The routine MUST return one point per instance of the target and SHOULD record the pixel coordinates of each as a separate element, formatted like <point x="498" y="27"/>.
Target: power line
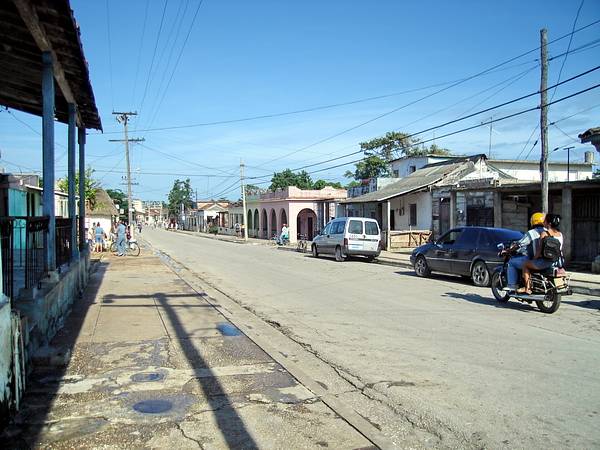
<point x="112" y="99"/>
<point x="139" y="58"/>
<point x="162" y="19"/>
<point x="568" y="47"/>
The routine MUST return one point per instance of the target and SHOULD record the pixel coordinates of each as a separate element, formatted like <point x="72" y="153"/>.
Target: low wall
<point x="48" y="308"/>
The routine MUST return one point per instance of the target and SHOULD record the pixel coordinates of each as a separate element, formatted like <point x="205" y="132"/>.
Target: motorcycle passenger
<point x="539" y="262"/>
<point x="526" y="249"/>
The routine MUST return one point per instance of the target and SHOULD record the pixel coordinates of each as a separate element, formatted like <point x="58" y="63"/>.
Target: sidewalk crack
<point x="178" y="425"/>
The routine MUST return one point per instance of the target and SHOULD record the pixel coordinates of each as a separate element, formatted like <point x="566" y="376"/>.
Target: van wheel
<point x="339" y="256"/>
<point x="315" y="252"/>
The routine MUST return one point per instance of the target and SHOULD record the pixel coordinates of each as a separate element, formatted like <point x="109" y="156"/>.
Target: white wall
<point x="401" y="210"/>
<point x="403" y="165"/>
<point x="531" y="172"/>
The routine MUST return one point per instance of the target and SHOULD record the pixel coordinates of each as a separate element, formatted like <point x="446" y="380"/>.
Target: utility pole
<point x="490" y="145"/>
<point x="245" y="218"/>
<point x="544" y="118"/>
<point x="123" y="117"/>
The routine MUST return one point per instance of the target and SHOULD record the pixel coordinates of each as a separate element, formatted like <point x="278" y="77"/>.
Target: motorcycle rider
<point x="525" y="249"/>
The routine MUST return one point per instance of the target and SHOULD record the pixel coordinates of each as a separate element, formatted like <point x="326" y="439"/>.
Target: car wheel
<point x="421" y="267"/>
<point x="315" y="252"/>
<point x="339" y="256"/>
<point x="480" y="274"/>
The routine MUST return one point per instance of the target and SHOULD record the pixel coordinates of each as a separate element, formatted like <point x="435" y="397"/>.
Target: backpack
<point x="551" y="249"/>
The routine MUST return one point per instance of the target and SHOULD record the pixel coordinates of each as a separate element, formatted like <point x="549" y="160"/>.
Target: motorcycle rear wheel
<point x="550" y="304"/>
<point x="499" y="294"/>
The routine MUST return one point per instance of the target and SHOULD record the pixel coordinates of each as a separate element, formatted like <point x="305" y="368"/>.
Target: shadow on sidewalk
<point x="230" y="424"/>
<point x="27" y="425"/>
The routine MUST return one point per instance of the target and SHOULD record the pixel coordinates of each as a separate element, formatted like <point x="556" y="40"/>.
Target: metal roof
<point x="28" y="28"/>
<point x="416" y="181"/>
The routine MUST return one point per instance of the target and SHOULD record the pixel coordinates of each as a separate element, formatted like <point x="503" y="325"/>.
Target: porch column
<point x="452" y="209"/>
<point x="81" y="142"/>
<point x="498" y="209"/>
<point x="567" y="221"/>
<point x="71" y="179"/>
<point x="388" y="239"/>
<point x="48" y="157"/>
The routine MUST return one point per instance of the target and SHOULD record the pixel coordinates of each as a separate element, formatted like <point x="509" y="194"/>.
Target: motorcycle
<point x="547" y="286"/>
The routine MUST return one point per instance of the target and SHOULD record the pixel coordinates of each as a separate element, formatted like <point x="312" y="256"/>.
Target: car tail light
<point x="345" y="242"/>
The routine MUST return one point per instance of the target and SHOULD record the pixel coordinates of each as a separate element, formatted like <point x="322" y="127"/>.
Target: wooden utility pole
<point x="544" y="118"/>
<point x="245" y="215"/>
<point x="123" y="117"/>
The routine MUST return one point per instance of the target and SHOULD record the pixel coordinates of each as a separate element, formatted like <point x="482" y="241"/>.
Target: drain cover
<point x="227" y="329"/>
<point x="153" y="406"/>
<point x="144" y="377"/>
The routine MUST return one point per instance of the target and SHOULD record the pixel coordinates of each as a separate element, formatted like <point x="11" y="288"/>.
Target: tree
<point x="90" y="184"/>
<point x="181" y="194"/>
<point x="320" y="184"/>
<point x="395" y="144"/>
<point x="120" y="199"/>
<point x="252" y="189"/>
<point x="286" y="178"/>
<point x="371" y="167"/>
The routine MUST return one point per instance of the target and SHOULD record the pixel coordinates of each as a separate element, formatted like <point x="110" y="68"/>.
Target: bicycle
<point x="302" y="243"/>
<point x="132" y="248"/>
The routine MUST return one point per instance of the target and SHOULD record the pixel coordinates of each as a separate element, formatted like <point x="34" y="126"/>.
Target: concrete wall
<point x="401" y="211"/>
<point x="48" y="307"/>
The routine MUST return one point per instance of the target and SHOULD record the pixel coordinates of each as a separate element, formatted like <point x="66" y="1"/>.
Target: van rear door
<point x="372" y="236"/>
<point x="355" y="234"/>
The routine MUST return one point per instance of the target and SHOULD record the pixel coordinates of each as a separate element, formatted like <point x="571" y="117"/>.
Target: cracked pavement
<point x="154" y="364"/>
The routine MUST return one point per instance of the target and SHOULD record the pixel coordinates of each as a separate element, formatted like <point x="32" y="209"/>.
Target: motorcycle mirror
<point x="500" y="247"/>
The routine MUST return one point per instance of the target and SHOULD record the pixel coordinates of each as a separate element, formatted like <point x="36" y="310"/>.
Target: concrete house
<point x="103" y="211"/>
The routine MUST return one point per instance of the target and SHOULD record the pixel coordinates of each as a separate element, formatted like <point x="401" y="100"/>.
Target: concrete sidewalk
<point x="581" y="283"/>
<point x="145" y="361"/>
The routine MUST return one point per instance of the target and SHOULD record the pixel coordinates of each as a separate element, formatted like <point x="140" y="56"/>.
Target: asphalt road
<point x="438" y="354"/>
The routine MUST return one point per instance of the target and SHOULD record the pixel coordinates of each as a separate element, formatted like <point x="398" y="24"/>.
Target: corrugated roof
<point x="417" y="180"/>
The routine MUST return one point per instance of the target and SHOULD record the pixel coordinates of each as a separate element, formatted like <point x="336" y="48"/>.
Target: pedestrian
<point x="91" y="233"/>
<point x="121" y="232"/>
<point x="139" y="227"/>
<point x="237" y="229"/>
<point x="99" y="235"/>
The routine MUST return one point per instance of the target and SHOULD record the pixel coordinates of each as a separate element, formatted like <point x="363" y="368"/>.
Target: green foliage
<point x="213" y="229"/>
<point x="371" y="167"/>
<point x="353" y="183"/>
<point x="302" y="180"/>
<point x="596" y="174"/>
<point x="251" y="189"/>
<point x="120" y="199"/>
<point x="395" y="144"/>
<point x="181" y="194"/>
<point x="90" y="185"/>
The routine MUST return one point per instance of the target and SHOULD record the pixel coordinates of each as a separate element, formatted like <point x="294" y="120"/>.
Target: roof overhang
<point x="27" y="29"/>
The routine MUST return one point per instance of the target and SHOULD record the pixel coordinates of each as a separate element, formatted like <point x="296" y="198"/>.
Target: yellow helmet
<point x="537" y="219"/>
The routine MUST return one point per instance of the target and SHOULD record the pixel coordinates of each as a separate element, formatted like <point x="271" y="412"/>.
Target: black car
<point x="466" y="251"/>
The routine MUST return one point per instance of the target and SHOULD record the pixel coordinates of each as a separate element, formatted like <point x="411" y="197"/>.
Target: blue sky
<point x="245" y="59"/>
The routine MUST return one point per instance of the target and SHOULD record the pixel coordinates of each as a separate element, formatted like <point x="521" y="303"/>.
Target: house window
<point x="412" y="169"/>
<point x="396" y="173"/>
<point x="413" y="215"/>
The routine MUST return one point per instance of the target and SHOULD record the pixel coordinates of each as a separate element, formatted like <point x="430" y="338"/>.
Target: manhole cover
<point x="153" y="406"/>
<point x="144" y="377"/>
<point x="227" y="329"/>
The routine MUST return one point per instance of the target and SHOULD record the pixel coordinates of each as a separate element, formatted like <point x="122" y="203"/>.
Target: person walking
<point x="121" y="231"/>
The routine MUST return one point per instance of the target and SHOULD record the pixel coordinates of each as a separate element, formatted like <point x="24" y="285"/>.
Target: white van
<point x="348" y="236"/>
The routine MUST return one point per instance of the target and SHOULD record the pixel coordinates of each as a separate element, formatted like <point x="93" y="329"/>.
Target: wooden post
<point x="544" y="119"/>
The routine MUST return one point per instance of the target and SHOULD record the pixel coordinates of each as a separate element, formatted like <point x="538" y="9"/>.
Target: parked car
<point x="348" y="236"/>
<point x="467" y="251"/>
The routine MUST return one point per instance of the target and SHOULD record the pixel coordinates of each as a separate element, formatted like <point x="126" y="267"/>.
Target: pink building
<point x="304" y="211"/>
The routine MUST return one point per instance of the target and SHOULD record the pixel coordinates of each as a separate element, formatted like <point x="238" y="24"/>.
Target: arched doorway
<point x="256" y="224"/>
<point x="306" y="223"/>
<point x="274" y="228"/>
<point x="283" y="217"/>
<point x="249" y="223"/>
<point x="265" y="233"/>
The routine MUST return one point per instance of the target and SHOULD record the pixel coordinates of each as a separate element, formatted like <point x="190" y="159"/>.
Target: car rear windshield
<point x="371" y="228"/>
<point x="355" y="227"/>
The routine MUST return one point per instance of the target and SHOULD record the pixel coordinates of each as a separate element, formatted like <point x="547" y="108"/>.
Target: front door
<point x="444" y="215"/>
<point x="310" y="231"/>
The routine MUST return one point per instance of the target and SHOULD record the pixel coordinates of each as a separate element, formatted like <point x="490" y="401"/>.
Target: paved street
<point x="434" y="361"/>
